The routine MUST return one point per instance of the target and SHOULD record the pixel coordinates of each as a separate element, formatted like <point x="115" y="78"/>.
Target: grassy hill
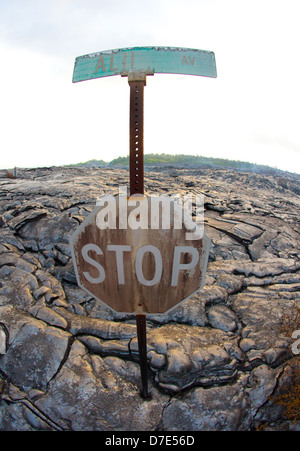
<point x="180" y="160"/>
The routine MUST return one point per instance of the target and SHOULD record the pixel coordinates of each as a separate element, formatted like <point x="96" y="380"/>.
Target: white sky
<point x="250" y="112"/>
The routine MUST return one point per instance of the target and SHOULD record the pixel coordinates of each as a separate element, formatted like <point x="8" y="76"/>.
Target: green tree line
<point x="179" y="160"/>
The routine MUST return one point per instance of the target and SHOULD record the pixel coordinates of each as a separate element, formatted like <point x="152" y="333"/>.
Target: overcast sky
<point x="250" y="112"/>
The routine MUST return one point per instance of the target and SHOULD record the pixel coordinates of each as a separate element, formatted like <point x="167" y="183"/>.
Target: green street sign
<point x="151" y="60"/>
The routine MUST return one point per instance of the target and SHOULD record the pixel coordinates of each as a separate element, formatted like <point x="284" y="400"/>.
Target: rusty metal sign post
<point x="136" y="63"/>
<point x="137" y="81"/>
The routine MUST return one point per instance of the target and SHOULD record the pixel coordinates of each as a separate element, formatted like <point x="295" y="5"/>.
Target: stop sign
<point x="139" y="259"/>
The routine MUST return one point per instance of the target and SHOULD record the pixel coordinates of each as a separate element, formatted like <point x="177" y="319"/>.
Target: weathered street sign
<point x="151" y="60"/>
<point x="138" y="270"/>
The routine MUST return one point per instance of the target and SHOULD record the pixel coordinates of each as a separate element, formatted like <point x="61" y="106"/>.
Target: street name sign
<point x="136" y="269"/>
<point x="150" y="60"/>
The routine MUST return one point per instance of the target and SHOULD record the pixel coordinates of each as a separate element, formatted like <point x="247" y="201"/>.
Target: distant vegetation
<point x="194" y="161"/>
<point x="180" y="160"/>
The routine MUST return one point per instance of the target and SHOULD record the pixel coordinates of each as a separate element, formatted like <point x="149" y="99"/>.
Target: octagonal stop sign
<point x="137" y="259"/>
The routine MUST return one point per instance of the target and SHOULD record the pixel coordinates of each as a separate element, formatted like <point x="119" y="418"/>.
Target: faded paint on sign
<point x="138" y="270"/>
<point x="171" y="60"/>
